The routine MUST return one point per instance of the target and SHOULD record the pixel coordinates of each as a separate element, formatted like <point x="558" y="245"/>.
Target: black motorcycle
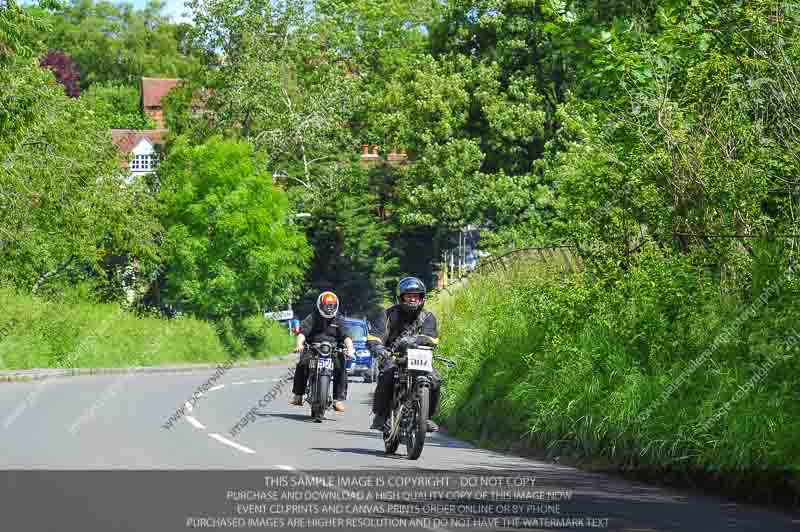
<point x="320" y="376"/>
<point x="408" y="421"/>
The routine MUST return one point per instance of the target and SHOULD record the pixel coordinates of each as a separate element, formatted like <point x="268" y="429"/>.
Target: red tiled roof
<point x="127" y="139"/>
<point x="154" y="89"/>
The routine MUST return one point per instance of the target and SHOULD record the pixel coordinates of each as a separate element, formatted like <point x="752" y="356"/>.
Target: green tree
<point x="21" y="31"/>
<point x="117" y="105"/>
<point x="696" y="142"/>
<point x="64" y="203"/>
<point x="283" y="89"/>
<point x="230" y="249"/>
<point x="352" y="254"/>
<point x="118" y="43"/>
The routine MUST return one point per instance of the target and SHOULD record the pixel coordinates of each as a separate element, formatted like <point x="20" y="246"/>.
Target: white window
<point x="144" y="163"/>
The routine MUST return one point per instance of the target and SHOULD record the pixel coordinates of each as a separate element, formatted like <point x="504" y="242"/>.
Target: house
<point x="141" y="148"/>
<point x="152" y="92"/>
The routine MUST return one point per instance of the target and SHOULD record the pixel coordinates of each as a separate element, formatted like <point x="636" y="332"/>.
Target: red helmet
<point x="328" y="304"/>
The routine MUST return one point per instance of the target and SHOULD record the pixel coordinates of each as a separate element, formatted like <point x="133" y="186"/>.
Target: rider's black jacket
<point x="317" y="328"/>
<point x="390" y="326"/>
<point x="394" y="323"/>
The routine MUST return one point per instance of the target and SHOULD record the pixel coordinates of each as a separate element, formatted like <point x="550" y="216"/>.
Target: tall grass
<point x="38" y="333"/>
<point x="559" y="362"/>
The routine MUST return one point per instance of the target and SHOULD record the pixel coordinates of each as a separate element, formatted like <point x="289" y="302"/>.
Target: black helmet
<point x="328" y="304"/>
<point x="411" y="285"/>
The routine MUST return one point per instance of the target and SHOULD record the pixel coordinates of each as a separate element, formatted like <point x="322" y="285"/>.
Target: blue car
<point x="362" y="364"/>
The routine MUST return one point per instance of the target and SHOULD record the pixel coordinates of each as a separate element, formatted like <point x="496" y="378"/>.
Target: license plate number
<point x="325" y="363"/>
<point x="420" y="360"/>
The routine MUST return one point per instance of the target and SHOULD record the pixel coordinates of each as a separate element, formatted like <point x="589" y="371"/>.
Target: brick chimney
<point x="368" y="157"/>
<point x="397" y="157"/>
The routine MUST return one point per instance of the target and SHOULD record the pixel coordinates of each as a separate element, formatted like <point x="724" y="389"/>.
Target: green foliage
<point x="75" y="333"/>
<point x="117" y="105"/>
<point x="66" y="204"/>
<point x="117" y="43"/>
<point x="282" y="88"/>
<point x="229" y="247"/>
<point x="265" y="338"/>
<point x="443" y="187"/>
<point x="180" y="108"/>
<point x="20" y="31"/>
<point x="695" y="141"/>
<point x="351" y="250"/>
<point x="573" y="364"/>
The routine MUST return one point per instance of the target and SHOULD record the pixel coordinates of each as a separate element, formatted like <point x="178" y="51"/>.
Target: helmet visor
<point x="328" y="304"/>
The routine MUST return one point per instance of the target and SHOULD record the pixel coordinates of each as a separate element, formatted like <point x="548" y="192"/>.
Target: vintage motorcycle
<point x="411" y="400"/>
<point x="320" y="376"/>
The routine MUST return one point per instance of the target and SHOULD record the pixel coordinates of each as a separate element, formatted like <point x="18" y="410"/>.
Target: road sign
<point x="281" y="315"/>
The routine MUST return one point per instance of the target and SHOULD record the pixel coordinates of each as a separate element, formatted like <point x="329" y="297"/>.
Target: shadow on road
<point x="430" y="440"/>
<point x="294" y="417"/>
<point x="353" y="450"/>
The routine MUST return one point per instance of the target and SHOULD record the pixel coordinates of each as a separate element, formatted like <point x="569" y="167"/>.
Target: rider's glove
<point x="379" y="351"/>
<point x="407" y="341"/>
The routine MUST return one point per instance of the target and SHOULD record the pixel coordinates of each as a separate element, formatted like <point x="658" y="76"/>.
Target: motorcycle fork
<point x="403" y="400"/>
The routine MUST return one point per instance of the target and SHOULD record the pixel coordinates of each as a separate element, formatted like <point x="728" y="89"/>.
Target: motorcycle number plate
<point x="420" y="360"/>
<point x="325" y="363"/>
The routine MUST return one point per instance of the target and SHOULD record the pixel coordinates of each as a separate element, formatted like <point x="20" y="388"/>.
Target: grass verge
<point x="37" y="333"/>
<point x="658" y="374"/>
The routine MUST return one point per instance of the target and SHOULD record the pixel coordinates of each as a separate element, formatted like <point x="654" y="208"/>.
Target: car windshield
<point x="356" y="331"/>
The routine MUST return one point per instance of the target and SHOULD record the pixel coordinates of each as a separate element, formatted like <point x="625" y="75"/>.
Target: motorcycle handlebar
<point x="335" y="350"/>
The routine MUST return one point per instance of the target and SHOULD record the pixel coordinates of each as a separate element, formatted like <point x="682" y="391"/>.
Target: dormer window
<point x="144" y="163"/>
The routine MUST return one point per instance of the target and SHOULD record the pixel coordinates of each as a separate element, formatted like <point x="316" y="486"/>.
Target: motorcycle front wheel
<point x="418" y="428"/>
<point x="320" y="398"/>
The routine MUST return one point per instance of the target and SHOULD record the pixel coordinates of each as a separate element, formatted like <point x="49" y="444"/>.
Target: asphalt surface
<point x="117" y="423"/>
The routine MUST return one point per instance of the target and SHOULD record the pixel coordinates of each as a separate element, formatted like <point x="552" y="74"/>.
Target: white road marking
<point x="196" y="424"/>
<point x="258" y="380"/>
<point x="237" y="383"/>
<point x="188" y="406"/>
<point x="286" y="467"/>
<point x="232" y="444"/>
<point x="218" y="387"/>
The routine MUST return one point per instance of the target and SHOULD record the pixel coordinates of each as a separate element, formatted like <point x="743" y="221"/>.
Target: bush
<point x="644" y="370"/>
<point x="78" y="334"/>
<point x="265" y="338"/>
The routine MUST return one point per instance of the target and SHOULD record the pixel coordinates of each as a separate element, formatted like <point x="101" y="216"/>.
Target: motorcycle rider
<point x="323" y="325"/>
<point x="405" y="324"/>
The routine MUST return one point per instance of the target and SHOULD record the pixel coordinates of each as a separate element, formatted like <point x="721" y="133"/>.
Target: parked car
<point x="362" y="364"/>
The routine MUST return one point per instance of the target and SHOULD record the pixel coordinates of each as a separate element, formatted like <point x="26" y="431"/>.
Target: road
<point x="116" y="423"/>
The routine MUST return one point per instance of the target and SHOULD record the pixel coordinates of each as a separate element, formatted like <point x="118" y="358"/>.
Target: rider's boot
<point x="378" y="422"/>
